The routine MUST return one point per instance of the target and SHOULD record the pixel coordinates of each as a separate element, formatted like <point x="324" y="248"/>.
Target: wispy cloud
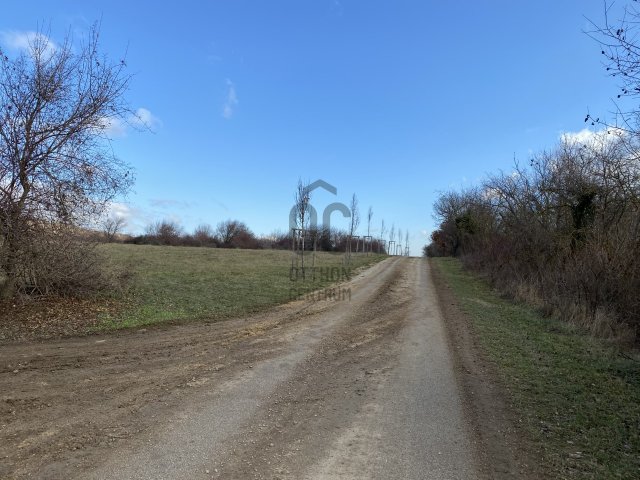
<point x="221" y="205"/>
<point x="337" y="7"/>
<point x="26" y="41"/>
<point x="142" y="118"/>
<point x="231" y="100"/>
<point x="166" y="203"/>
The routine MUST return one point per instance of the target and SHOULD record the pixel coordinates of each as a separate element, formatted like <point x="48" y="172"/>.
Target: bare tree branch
<point x="56" y="105"/>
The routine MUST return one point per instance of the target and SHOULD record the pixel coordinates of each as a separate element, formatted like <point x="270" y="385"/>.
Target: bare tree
<point x="368" y="239"/>
<point x="56" y="105"/>
<point x="406" y="243"/>
<point x="111" y="227"/>
<point x="392" y="233"/>
<point x="355" y="216"/>
<point x="562" y="233"/>
<point x="235" y="234"/>
<point x="302" y="205"/>
<point x="353" y="223"/>
<point x="165" y="232"/>
<point x="448" y="205"/>
<point x="204" y="236"/>
<point x="382" y="230"/>
<point x="620" y="47"/>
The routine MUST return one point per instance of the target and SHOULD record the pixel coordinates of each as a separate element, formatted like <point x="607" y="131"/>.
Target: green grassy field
<point x="578" y="397"/>
<point x="183" y="283"/>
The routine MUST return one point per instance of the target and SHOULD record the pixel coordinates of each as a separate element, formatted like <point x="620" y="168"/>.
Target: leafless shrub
<point x="111" y="227"/>
<point x="56" y="169"/>
<point x="235" y="234"/>
<point x="204" y="236"/>
<point x="562" y="234"/>
<point x="164" y="232"/>
<point x="57" y="260"/>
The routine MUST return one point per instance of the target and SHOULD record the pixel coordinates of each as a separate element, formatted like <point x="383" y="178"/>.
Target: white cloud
<point x="141" y="119"/>
<point x="144" y="118"/>
<point x="590" y="137"/>
<point x="26" y="41"/>
<point x="136" y="219"/>
<point x="231" y="100"/>
<point x="490" y="193"/>
<point x="120" y="210"/>
<point x="114" y="210"/>
<point x="113" y="127"/>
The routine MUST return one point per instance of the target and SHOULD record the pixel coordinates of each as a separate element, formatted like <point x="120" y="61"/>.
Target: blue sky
<point x="392" y="100"/>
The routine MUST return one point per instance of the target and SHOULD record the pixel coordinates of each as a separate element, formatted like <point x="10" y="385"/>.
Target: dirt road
<point x="356" y="388"/>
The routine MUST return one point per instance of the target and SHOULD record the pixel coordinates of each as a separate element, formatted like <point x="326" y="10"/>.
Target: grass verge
<point x="577" y="397"/>
<point x="186" y="283"/>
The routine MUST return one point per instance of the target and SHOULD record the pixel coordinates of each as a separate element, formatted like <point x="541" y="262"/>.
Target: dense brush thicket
<point x="59" y="260"/>
<point x="561" y="233"/>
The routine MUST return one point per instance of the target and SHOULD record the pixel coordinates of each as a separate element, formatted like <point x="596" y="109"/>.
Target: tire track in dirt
<point x="323" y="394"/>
<point x="349" y="389"/>
<point x="67" y="404"/>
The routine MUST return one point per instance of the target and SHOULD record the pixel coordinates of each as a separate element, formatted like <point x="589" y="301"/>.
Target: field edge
<point x="572" y="401"/>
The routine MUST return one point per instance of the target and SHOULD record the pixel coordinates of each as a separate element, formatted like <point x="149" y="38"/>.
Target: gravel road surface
<point x="360" y="387"/>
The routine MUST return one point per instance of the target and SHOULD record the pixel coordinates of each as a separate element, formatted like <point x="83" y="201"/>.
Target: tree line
<point x="563" y="231"/>
<point x="232" y="234"/>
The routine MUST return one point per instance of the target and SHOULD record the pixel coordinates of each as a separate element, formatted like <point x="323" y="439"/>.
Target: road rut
<point x="363" y="387"/>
